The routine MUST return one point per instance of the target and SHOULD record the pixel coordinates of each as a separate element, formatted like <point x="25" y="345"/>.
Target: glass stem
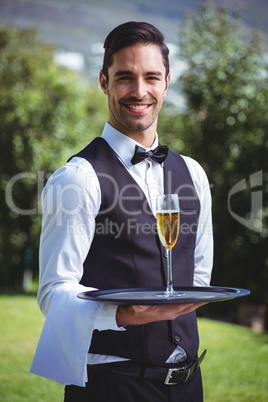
<point x="169" y="289"/>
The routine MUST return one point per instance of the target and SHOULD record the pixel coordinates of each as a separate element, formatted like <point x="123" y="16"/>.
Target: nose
<point x="139" y="88"/>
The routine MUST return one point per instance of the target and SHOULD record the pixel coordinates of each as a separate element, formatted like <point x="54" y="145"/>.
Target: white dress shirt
<point x="71" y="200"/>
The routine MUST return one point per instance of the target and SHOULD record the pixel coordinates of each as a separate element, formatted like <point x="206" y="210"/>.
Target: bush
<point x="46" y="114"/>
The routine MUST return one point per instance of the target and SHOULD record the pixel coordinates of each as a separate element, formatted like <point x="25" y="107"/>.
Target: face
<point x="136" y="89"/>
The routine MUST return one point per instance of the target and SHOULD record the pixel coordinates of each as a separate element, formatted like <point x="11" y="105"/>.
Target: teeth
<point x="136" y="107"/>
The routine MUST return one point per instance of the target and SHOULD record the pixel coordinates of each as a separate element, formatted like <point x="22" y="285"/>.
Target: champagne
<point x="168" y="224"/>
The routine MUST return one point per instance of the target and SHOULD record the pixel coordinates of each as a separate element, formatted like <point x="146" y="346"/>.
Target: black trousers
<point x="111" y="387"/>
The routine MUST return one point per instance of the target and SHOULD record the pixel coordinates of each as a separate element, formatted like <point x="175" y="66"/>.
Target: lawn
<point x="235" y="368"/>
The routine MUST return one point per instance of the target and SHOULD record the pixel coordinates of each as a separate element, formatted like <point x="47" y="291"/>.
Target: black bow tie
<point x="158" y="155"/>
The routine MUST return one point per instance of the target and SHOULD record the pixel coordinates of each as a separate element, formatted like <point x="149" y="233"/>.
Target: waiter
<point x="98" y="232"/>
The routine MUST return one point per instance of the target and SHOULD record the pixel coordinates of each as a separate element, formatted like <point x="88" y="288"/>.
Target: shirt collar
<point x="123" y="145"/>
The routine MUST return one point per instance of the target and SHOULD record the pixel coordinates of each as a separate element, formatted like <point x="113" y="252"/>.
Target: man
<point x="99" y="232"/>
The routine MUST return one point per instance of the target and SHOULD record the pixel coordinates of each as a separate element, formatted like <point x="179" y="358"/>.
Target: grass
<point x="236" y="366"/>
<point x="234" y="370"/>
<point x="21" y="324"/>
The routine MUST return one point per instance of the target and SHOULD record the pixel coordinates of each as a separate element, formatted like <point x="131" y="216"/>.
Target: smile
<point x="137" y="108"/>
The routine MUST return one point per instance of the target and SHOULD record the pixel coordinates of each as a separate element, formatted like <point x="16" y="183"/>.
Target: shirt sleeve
<point x="71" y="201"/>
<point x="203" y="257"/>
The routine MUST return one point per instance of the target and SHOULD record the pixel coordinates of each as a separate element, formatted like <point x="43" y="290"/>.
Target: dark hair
<point x="129" y="34"/>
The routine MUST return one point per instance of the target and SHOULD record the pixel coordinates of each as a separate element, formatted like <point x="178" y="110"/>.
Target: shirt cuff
<point x="106" y="318"/>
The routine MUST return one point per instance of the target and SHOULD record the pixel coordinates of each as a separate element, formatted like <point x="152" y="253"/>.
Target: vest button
<point x="177" y="338"/>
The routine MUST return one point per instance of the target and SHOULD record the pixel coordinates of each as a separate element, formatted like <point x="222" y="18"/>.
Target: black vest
<point x="126" y="252"/>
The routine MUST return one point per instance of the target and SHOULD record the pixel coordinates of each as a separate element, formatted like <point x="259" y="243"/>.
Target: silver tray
<point x="150" y="295"/>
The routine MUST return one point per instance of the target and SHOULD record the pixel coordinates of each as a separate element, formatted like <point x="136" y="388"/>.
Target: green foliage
<point x="225" y="128"/>
<point x="46" y="114"/>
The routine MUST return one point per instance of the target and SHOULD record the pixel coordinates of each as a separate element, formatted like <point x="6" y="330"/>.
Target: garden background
<point x="216" y="112"/>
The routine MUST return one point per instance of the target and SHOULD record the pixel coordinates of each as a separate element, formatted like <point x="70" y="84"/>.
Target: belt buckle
<point x="170" y="373"/>
<point x="189" y="370"/>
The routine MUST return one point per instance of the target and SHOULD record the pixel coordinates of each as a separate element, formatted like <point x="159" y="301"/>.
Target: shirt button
<point x="177" y="338"/>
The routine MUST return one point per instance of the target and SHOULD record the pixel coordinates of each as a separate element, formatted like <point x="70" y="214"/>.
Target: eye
<point x="153" y="78"/>
<point x="124" y="78"/>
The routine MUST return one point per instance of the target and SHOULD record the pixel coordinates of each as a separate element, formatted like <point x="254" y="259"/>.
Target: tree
<point x="225" y="129"/>
<point x="46" y="114"/>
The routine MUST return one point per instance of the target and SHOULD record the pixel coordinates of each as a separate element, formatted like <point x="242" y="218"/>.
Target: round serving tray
<point x="150" y="295"/>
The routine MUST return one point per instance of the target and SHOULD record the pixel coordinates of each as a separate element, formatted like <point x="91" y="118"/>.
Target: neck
<point x="145" y="138"/>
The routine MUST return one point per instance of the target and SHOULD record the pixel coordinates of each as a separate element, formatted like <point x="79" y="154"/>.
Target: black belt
<point x="169" y="376"/>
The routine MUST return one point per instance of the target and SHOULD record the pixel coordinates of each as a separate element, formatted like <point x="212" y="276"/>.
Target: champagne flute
<point x="168" y="224"/>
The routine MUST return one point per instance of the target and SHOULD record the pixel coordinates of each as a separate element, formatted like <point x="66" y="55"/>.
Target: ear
<point x="103" y="83"/>
<point x="167" y="83"/>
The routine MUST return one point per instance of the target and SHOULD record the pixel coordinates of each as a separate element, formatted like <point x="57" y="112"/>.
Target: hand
<point x="138" y="315"/>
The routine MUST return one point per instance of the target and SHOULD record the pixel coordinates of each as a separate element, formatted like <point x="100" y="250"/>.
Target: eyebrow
<point x="119" y="73"/>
